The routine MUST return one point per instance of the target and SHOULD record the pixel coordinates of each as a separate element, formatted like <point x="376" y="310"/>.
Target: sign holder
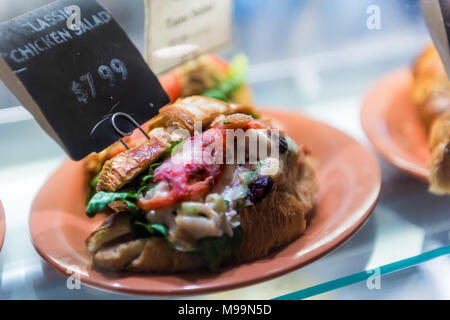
<point x="125" y="134"/>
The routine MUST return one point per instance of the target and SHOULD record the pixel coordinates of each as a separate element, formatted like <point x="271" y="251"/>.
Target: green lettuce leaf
<point x="151" y="171"/>
<point x="234" y="80"/>
<point x="92" y="187"/>
<point x="216" y="250"/>
<point x="101" y="199"/>
<point x="153" y="228"/>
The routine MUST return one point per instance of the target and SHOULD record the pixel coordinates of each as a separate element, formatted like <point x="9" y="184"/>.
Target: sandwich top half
<point x="431" y="95"/>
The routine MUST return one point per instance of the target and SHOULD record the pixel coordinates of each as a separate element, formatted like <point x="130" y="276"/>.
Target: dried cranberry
<point x="259" y="188"/>
<point x="283" y="145"/>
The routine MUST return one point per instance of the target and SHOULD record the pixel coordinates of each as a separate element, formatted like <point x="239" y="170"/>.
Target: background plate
<point x="391" y="122"/>
<point x="349" y="180"/>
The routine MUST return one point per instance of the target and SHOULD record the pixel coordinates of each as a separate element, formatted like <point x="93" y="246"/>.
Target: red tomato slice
<point x="171" y="83"/>
<point x="257" y="125"/>
<point x="220" y="63"/>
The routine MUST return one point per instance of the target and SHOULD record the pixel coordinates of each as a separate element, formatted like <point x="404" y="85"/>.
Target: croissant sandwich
<point x="431" y="94"/>
<point x="207" y="75"/>
<point x="214" y="185"/>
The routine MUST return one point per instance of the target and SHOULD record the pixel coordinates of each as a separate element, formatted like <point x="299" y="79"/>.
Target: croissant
<point x="440" y="155"/>
<point x="431" y="95"/>
<point x="192" y="214"/>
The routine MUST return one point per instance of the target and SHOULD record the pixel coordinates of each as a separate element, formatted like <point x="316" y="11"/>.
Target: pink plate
<point x="391" y="122"/>
<point x="349" y="180"/>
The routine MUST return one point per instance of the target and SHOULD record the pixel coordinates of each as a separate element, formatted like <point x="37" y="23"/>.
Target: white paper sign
<point x="178" y="30"/>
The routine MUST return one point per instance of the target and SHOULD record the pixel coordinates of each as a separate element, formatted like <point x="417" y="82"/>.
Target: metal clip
<point x="125" y="134"/>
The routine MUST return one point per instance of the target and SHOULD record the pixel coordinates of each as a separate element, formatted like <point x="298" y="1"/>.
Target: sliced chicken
<point x="184" y="112"/>
<point x="124" y="167"/>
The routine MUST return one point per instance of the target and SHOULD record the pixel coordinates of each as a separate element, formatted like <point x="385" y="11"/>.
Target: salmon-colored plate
<point x="349" y="179"/>
<point x="2" y="225"/>
<point x="391" y="122"/>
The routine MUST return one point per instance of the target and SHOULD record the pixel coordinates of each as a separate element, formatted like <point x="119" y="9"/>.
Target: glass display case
<point x="314" y="57"/>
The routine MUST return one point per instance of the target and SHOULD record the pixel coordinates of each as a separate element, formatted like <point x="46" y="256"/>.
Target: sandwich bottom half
<point x="274" y="221"/>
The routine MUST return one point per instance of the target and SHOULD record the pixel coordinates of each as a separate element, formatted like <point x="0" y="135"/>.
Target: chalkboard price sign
<point x="73" y="79"/>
